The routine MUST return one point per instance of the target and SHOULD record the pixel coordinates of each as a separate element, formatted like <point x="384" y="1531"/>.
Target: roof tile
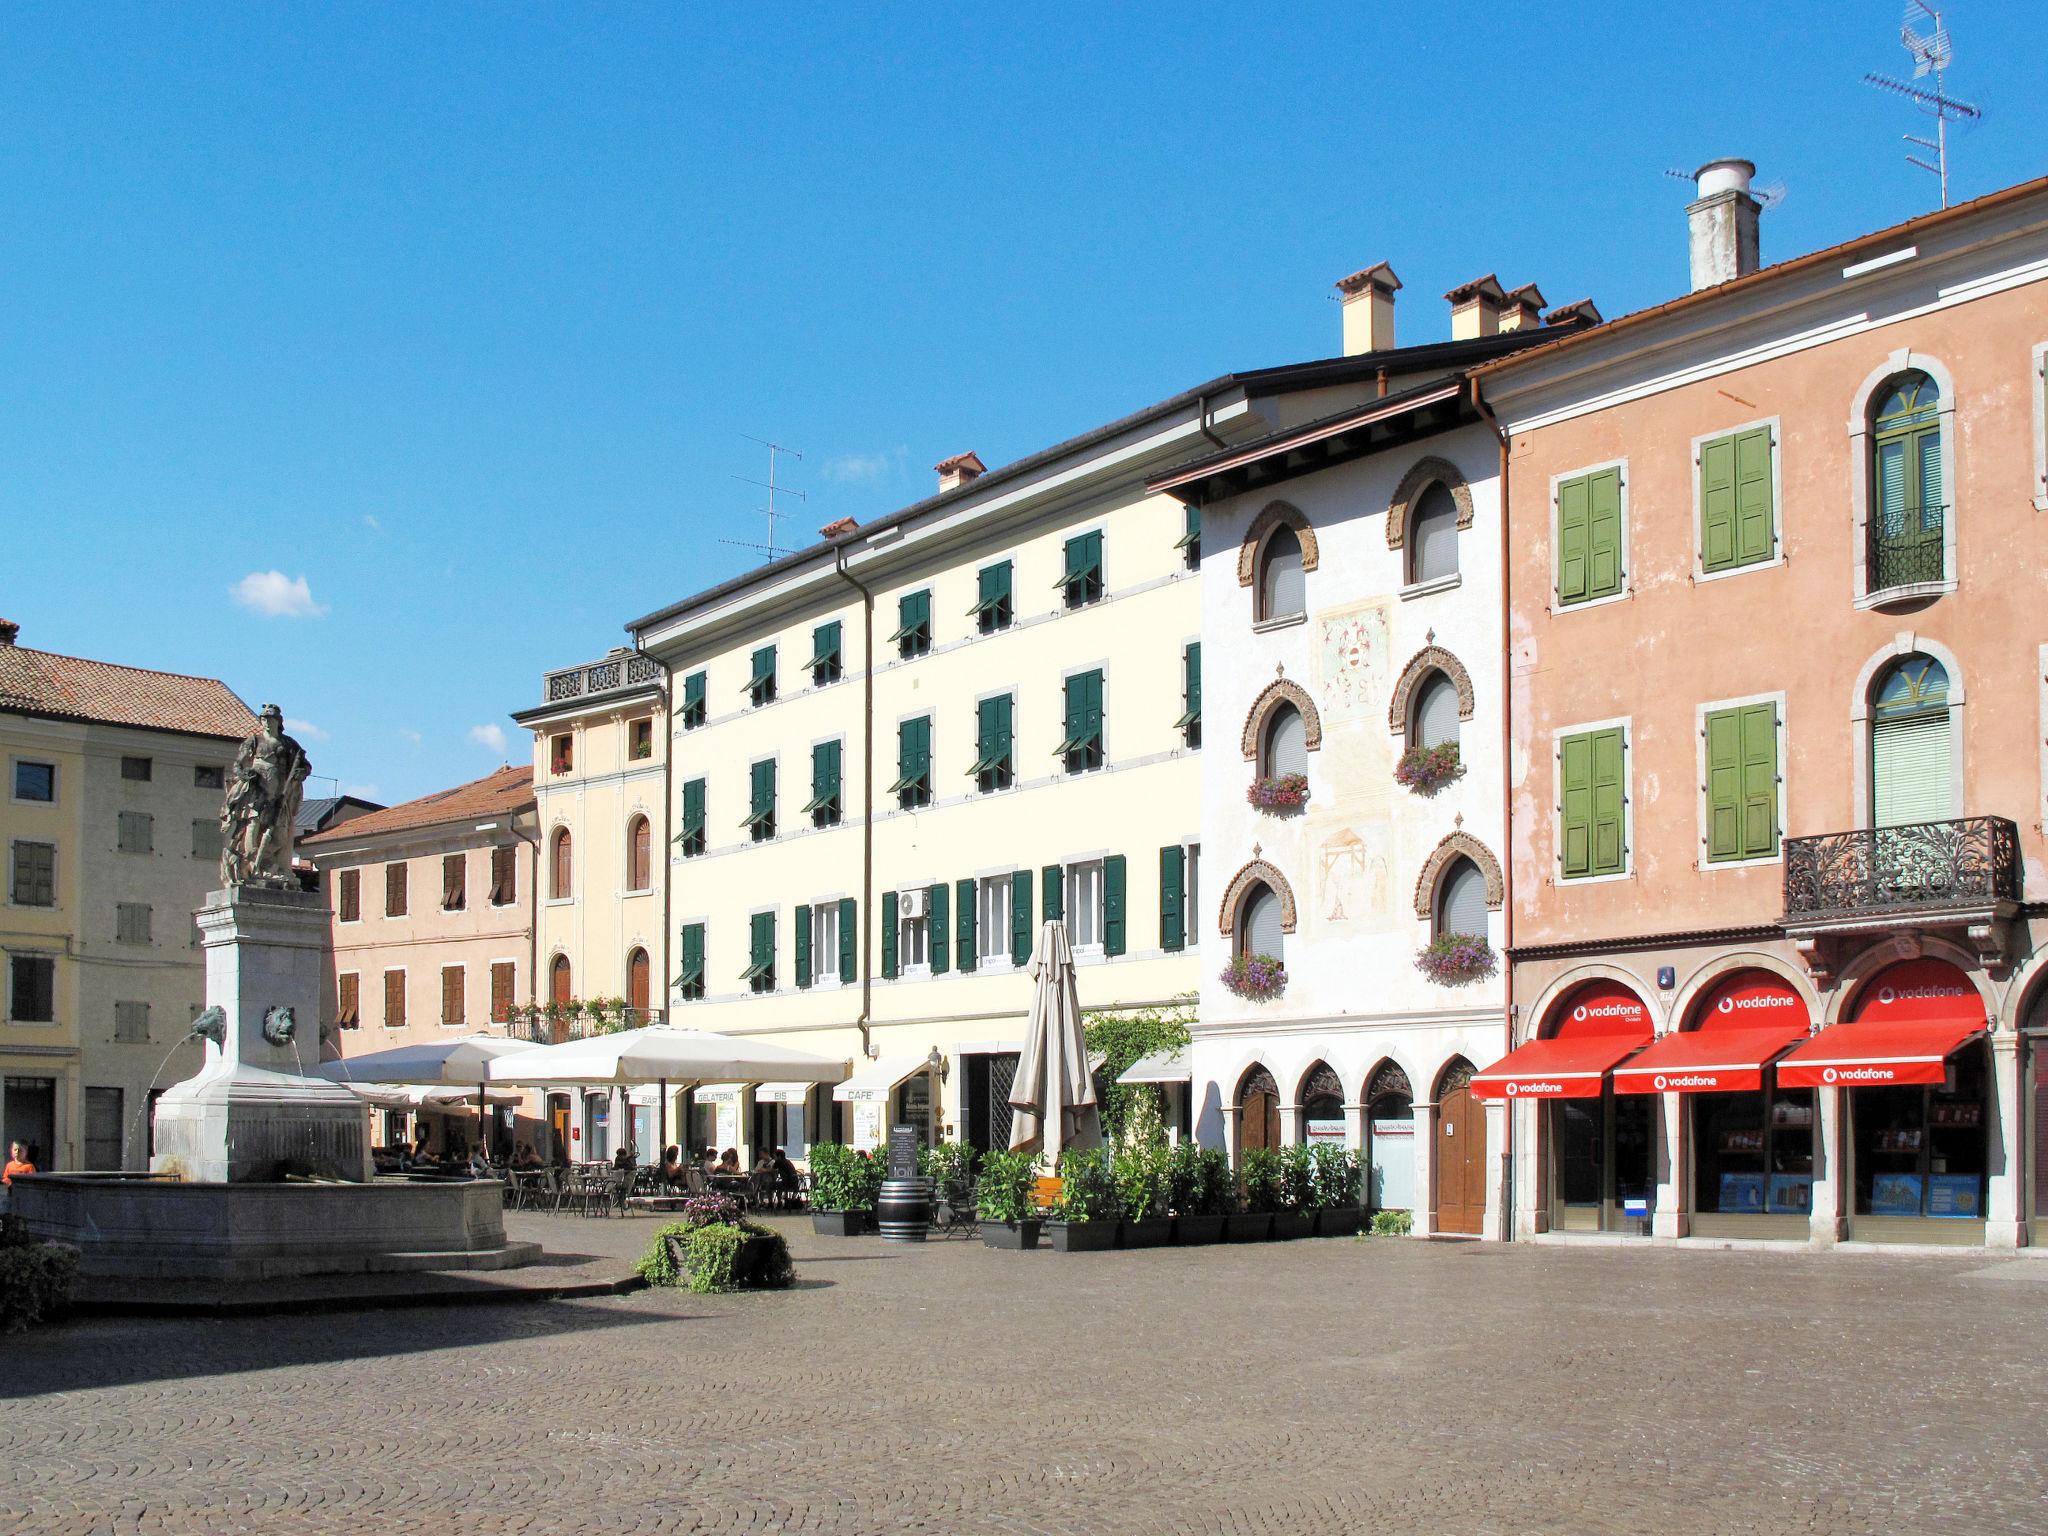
<point x="72" y="688"/>
<point x="498" y="794"/>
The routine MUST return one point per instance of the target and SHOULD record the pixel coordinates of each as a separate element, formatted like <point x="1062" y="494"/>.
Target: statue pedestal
<point x="251" y="1115"/>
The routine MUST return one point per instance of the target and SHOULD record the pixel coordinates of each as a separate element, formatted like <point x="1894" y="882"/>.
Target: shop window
<point x="1924" y="1151"/>
<point x="1912" y="769"/>
<point x="1908" y="488"/>
<point x="1390" y="1140"/>
<point x="1282" y="588"/>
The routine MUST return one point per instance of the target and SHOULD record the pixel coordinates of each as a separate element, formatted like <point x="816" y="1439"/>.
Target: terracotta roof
<point x="72" y="688"/>
<point x="503" y="793"/>
<point x="1488" y="285"/>
<point x="970" y="461"/>
<point x="1378" y="275"/>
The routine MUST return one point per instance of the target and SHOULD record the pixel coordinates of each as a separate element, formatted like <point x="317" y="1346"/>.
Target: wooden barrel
<point x="903" y="1210"/>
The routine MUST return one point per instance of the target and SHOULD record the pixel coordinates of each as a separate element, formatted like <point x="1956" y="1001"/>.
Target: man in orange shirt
<point x="17" y="1162"/>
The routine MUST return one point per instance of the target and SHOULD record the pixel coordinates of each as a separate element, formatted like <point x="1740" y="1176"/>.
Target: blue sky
<point x="460" y="315"/>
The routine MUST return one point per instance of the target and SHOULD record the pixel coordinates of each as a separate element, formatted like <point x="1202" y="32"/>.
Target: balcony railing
<point x="577" y="1024"/>
<point x="619" y="670"/>
<point x="1971" y="863"/>
<point x="1906" y="549"/>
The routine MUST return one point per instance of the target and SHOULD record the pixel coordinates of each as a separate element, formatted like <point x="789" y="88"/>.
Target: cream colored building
<point x="109" y="820"/>
<point x="600" y="773"/>
<point x="898" y="751"/>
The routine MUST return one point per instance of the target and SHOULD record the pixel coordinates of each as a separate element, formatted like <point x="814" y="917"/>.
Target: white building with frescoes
<point x="1351" y="614"/>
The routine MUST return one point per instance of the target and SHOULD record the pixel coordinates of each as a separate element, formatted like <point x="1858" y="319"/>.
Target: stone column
<point x="1354" y="1127"/>
<point x="1425" y="1166"/>
<point x="1828" y="1223"/>
<point x="1499" y="1170"/>
<point x="1672" y="1217"/>
<point x="2005" y="1221"/>
<point x="1532" y="1215"/>
<point x="1290" y="1125"/>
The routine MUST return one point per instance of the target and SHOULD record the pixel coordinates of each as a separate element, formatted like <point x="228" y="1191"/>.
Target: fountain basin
<point x="143" y="1226"/>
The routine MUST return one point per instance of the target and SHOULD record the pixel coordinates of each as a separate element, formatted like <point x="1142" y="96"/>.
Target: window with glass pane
<point x="136" y="768"/>
<point x="694" y="711"/>
<point x="761" y="677"/>
<point x="913" y="938"/>
<point x="1283" y="592"/>
<point x="209" y="776"/>
<point x="32" y="989"/>
<point x="1461" y="900"/>
<point x="827" y="662"/>
<point x="1433" y="536"/>
<point x="992" y="898"/>
<point x="1436" y="713"/>
<point x="1286" y="743"/>
<point x="35" y="781"/>
<point x="1259" y="930"/>
<point x="1190" y="541"/>
<point x="1908" y="492"/>
<point x="825" y="941"/>
<point x="1084" y="904"/>
<point x="1912" y="765"/>
<point x="913" y="635"/>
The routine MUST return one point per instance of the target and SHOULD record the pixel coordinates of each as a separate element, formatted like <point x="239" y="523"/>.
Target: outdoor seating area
<point x="605" y="1189"/>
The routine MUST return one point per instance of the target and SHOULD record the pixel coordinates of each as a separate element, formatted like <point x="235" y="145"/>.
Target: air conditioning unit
<point x="912" y="904"/>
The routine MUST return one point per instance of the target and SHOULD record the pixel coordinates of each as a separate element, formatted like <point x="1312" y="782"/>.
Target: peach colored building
<point x="432" y="916"/>
<point x="1777" y="627"/>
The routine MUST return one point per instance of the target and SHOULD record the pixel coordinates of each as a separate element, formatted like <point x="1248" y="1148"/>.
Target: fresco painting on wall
<point x="1351" y="661"/>
<point x="1352" y="875"/>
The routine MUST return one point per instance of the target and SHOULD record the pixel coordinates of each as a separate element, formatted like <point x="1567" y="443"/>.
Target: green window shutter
<point x="1718" y="541"/>
<point x="963" y="919"/>
<point x="803" y="946"/>
<point x="1610" y="799"/>
<point x="693" y="700"/>
<point x="1173" y="868"/>
<point x="761" y="949"/>
<point x="985" y="752"/>
<point x="1724" y="785"/>
<point x="1020" y="917"/>
<point x="1575" y="830"/>
<point x="1194" y="690"/>
<point x="1759" y="781"/>
<point x="993" y="606"/>
<point x="1593" y="774"/>
<point x="1603" y="534"/>
<point x="761" y="677"/>
<point x="1571" y="542"/>
<point x="1052" y="893"/>
<point x="1077" y="712"/>
<point x="888" y="935"/>
<point x="690" y="979"/>
<point x="1755" y="514"/>
<point x="692" y="834"/>
<point x="849" y="939"/>
<point x="1113" y="904"/>
<point x="831" y="766"/>
<point x="936" y="926"/>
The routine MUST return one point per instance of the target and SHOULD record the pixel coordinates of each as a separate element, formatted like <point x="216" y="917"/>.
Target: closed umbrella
<point x="1052" y="1100"/>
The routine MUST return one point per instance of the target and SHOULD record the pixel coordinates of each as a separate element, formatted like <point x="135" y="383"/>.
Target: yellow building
<point x="896" y="752"/>
<point x="109" y="823"/>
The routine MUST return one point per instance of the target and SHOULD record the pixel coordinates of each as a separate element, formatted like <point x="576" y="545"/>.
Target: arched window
<point x="636" y="980"/>
<point x="1284" y="747"/>
<point x="1260" y="929"/>
<point x="1434" y="720"/>
<point x="1390" y="1140"/>
<point x="1912" y="776"/>
<point x="560" y="989"/>
<point x="1908" y="488"/>
<point x="1461" y="900"/>
<point x="639" y="855"/>
<point x="1282" y="594"/>
<point x="561" y="866"/>
<point x="1433" y="535"/>
<point x="1322" y="1105"/>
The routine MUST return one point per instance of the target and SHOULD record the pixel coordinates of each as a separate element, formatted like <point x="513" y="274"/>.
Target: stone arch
<point x="1427" y="472"/>
<point x="1278" y="514"/>
<point x="1453" y="1074"/>
<point x="1319" y="1077"/>
<point x="1256" y="1078"/>
<point x="1431" y="658"/>
<point x="1280" y="690"/>
<point x="1387" y="1076"/>
<point x="1905" y="643"/>
<point x="1696" y="985"/>
<point x="1257" y="872"/>
<point x="1911" y="947"/>
<point x="1544" y="1009"/>
<point x="1456" y="845"/>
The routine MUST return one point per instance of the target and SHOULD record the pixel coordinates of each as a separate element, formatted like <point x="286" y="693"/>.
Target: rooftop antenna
<point x="1771" y="194"/>
<point x="770" y="551"/>
<point x="1932" y="52"/>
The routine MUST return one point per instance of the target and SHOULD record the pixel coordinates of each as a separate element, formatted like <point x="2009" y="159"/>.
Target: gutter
<point x="1507" y="862"/>
<point x="867" y="797"/>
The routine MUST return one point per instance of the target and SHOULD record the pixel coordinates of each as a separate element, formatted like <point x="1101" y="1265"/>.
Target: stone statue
<point x="262" y="808"/>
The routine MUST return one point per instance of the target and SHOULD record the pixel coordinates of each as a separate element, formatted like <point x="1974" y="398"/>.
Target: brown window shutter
<point x="504" y="876"/>
<point x="454" y="881"/>
<point x="394" y="999"/>
<point x="452" y="1010"/>
<point x="351" y="895"/>
<point x="394" y="890"/>
<point x="347" y="1000"/>
<point x="501" y="991"/>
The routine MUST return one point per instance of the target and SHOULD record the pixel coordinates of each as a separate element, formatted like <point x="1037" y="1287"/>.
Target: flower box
<point x="1452" y="959"/>
<point x="1425" y="770"/>
<point x="1289" y="792"/>
<point x="1256" y="977"/>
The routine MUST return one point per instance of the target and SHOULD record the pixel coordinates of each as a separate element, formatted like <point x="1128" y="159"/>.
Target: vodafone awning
<point x="1902" y="1029"/>
<point x="1740" y="1024"/>
<point x="1599" y="1025"/>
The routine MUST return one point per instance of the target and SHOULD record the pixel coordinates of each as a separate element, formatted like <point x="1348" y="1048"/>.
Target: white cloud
<point x="276" y="595"/>
<point x="859" y="468"/>
<point x="492" y="736"/>
<point x="412" y="736"/>
<point x="305" y="728"/>
<point x="370" y="522"/>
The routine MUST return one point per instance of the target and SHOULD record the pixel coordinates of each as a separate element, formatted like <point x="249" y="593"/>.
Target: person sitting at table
<point x="625" y="1157"/>
<point x="528" y="1159"/>
<point x="786" y="1178"/>
<point x="729" y="1161"/>
<point x="672" y="1167"/>
<point x="480" y="1166"/>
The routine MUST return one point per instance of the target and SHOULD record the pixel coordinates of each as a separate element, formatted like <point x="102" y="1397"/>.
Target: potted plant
<point x="1003" y="1200"/>
<point x="1452" y="959"/>
<point x="1340" y="1192"/>
<point x="1187" y="1195"/>
<point x="1426" y="770"/>
<point x="1141" y="1187"/>
<point x="844" y="1185"/>
<point x="714" y="1248"/>
<point x="1296" y="1216"/>
<point x="1288" y="792"/>
<point x="1255" y="977"/>
<point x="1258" y="1178"/>
<point x="1084" y="1217"/>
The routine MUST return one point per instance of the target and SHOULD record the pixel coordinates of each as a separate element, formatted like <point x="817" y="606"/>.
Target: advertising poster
<point x="1792" y="1194"/>
<point x="1742" y="1194"/>
<point x="1895" y="1194"/>
<point x="1954" y="1194"/>
<point x="1326" y="1133"/>
<point x="867" y="1125"/>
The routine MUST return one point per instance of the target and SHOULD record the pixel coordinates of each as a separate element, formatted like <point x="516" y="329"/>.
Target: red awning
<point x="1707" y="1060"/>
<point x="1876" y="1055"/>
<point x="1569" y="1068"/>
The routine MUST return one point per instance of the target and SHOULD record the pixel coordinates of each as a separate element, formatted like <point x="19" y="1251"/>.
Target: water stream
<point x="142" y="1110"/>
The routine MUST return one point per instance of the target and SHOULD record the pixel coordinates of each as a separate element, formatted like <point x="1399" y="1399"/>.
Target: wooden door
<point x="1458" y="1175"/>
<point x="1259" y="1121"/>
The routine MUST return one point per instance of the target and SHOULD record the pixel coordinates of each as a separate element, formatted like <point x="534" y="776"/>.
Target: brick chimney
<point x="958" y="471"/>
<point x="1523" y="309"/>
<point x="1475" y="308"/>
<point x="1722" y="224"/>
<point x="8" y="630"/>
<point x="1578" y="312"/>
<point x="833" y="530"/>
<point x="1367" y="298"/>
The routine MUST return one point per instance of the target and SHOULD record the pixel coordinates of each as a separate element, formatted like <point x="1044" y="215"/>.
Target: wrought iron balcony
<point x="574" y="1022"/>
<point x="1964" y="870"/>
<point x="621" y="669"/>
<point x="1905" y="549"/>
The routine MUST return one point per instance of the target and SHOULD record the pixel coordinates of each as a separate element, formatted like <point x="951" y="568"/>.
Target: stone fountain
<point x="261" y="1170"/>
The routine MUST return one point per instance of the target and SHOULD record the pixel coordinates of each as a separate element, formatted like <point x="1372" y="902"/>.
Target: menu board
<point x="903" y="1152"/>
<point x="867" y="1125"/>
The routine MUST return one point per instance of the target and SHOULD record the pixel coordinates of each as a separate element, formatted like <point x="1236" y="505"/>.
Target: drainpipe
<point x="533" y="915"/>
<point x="1202" y="421"/>
<point x="1507" y="747"/>
<point x="668" y="789"/>
<point x="867" y="796"/>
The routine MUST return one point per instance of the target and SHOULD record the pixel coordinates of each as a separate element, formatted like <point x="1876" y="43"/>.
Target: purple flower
<point x="1255" y="976"/>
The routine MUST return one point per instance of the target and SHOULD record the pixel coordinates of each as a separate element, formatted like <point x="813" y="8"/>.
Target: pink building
<point x="1777" y="635"/>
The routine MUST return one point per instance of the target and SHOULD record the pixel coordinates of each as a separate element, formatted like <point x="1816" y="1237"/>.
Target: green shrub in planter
<point x="843" y="1179"/>
<point x="718" y="1256"/>
<point x="35" y="1282"/>
<point x="1258" y="1181"/>
<point x="949" y="1165"/>
<point x="1004" y="1193"/>
<point x="1339" y="1179"/>
<point x="1216" y="1195"/>
<point x="1088" y="1188"/>
<point x="1143" y="1187"/>
<point x="1184" y="1178"/>
<point x="1297" y="1179"/>
<point x="1392" y="1223"/>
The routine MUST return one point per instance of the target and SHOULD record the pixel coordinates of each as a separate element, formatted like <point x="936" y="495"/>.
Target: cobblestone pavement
<point x="1306" y="1387"/>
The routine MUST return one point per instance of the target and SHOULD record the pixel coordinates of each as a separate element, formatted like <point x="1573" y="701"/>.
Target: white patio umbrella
<point x="1052" y="1100"/>
<point x="430" y="1064"/>
<point x="663" y="1054"/>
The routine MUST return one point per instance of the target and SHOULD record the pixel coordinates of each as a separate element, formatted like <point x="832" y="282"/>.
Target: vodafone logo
<point x="1534" y="1089"/>
<point x="1606" y="1011"/>
<point x="1687" y="1080"/>
<point x="1858" y="1074"/>
<point x="1511" y="1090"/>
<point x="1890" y="995"/>
<point x="1769" y="1000"/>
<point x="1660" y="1082"/>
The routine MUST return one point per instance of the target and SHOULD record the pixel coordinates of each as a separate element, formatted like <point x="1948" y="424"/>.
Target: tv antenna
<point x="1771" y="194"/>
<point x="771" y="550"/>
<point x="1932" y="52"/>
